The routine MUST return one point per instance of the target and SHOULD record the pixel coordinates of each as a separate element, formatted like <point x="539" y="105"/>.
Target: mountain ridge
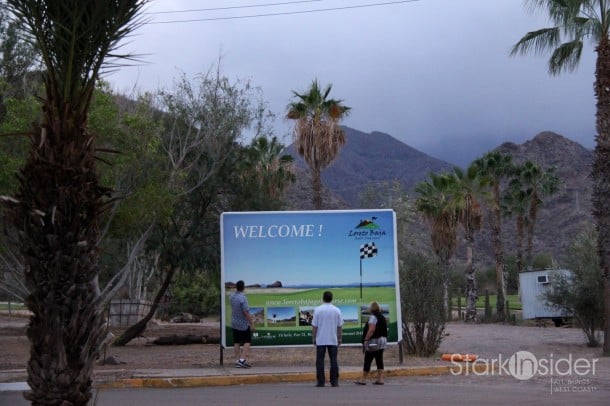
<point x="377" y="157"/>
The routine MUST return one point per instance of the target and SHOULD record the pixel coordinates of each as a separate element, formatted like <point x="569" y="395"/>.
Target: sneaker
<point x="242" y="363"/>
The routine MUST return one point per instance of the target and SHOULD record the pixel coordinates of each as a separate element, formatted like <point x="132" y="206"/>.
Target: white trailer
<point x="532" y="285"/>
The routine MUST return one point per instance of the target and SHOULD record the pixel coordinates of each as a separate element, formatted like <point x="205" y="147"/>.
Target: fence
<point x="126" y="312"/>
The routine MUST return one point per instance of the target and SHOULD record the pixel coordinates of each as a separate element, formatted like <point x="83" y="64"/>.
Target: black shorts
<point x="242" y="336"/>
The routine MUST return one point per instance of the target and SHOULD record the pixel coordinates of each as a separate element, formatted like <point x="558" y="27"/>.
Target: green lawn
<point x="513" y="302"/>
<point x="14" y="306"/>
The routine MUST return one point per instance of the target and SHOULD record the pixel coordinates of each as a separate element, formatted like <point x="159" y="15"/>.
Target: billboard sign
<point x="288" y="259"/>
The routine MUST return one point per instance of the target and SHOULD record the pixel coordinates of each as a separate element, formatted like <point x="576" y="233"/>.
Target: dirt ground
<point x="485" y="340"/>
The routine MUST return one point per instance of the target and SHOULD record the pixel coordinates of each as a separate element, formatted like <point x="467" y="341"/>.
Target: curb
<point x="189" y="382"/>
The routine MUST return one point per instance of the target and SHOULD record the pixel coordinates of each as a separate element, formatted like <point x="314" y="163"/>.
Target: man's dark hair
<point x="240" y="286"/>
<point x="327" y="297"/>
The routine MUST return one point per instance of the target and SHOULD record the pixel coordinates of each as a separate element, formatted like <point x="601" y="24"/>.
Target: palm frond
<point x="537" y="41"/>
<point x="75" y="38"/>
<point x="565" y="57"/>
<point x="560" y="11"/>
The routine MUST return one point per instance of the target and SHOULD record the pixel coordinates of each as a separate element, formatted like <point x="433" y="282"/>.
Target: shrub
<point x="196" y="293"/>
<point x="423" y="319"/>
<point x="581" y="294"/>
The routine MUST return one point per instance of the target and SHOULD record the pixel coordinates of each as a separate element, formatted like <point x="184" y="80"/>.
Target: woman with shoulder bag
<point x="374" y="339"/>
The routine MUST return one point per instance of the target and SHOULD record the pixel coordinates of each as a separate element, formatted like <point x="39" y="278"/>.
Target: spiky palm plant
<point x="574" y="22"/>
<point x="60" y="200"/>
<point x="318" y="135"/>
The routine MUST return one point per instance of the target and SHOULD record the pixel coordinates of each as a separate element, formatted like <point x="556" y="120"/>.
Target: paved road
<point x="397" y="391"/>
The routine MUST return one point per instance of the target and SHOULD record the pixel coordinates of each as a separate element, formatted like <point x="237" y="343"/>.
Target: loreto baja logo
<point x="524" y="365"/>
<point x="367" y="228"/>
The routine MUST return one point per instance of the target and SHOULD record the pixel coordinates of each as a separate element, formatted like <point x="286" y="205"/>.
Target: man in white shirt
<point x="327" y="322"/>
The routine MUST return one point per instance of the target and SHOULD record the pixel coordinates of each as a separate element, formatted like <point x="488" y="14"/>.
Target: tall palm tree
<point x="538" y="183"/>
<point x="318" y="136"/>
<point x="574" y="22"/>
<point x="470" y="193"/>
<point x="60" y="201"/>
<point x="436" y="202"/>
<point x="515" y="203"/>
<point x="496" y="166"/>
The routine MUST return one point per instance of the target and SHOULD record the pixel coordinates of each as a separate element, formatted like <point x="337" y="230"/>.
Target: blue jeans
<point x="334" y="365"/>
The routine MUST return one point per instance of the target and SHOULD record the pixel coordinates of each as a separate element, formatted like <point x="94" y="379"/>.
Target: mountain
<point x="378" y="157"/>
<point x="371" y="158"/>
<point x="568" y="212"/>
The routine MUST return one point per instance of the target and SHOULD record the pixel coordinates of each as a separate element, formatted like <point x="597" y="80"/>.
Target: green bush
<point x="196" y="293"/>
<point x="581" y="294"/>
<point x="421" y="297"/>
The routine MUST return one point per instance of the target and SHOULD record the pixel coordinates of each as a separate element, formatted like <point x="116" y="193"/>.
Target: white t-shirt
<point x="326" y="318"/>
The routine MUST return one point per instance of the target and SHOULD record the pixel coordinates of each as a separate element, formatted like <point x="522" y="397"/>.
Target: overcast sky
<point x="435" y="74"/>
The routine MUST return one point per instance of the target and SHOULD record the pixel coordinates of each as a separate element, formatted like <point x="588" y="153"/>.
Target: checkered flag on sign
<point x="368" y="250"/>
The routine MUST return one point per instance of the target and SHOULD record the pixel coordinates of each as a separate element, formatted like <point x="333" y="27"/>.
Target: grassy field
<point x="300" y="300"/>
<point x="14" y="306"/>
<point x="513" y="302"/>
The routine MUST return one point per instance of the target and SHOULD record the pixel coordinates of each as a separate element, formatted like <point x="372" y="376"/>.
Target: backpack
<point x="381" y="328"/>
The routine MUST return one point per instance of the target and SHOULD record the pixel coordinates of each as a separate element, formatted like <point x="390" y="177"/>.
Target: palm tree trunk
<point x="496" y="224"/>
<point x="316" y="186"/>
<point x="520" y="238"/>
<point x="444" y="264"/>
<point x="471" y="283"/>
<point x="601" y="174"/>
<point x="529" y="259"/>
<point x="60" y="202"/>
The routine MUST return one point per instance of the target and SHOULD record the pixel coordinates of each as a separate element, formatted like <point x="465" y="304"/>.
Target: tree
<point x="17" y="59"/>
<point x="538" y="183"/>
<point x="515" y="204"/>
<point x="318" y="136"/>
<point x="470" y="193"/>
<point x="436" y="202"/>
<point x="208" y="172"/>
<point x="262" y="172"/>
<point x="574" y="22"/>
<point x="60" y="201"/>
<point x="496" y="166"/>
<point x="581" y="294"/>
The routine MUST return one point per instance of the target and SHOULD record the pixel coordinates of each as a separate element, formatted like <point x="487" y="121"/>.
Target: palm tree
<point x="318" y="136"/>
<point x="538" y="183"/>
<point x="522" y="199"/>
<point x="574" y="22"/>
<point x="60" y="201"/>
<point x="496" y="166"/>
<point x="515" y="203"/>
<point x="436" y="202"/>
<point x="469" y="195"/>
<point x="272" y="169"/>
